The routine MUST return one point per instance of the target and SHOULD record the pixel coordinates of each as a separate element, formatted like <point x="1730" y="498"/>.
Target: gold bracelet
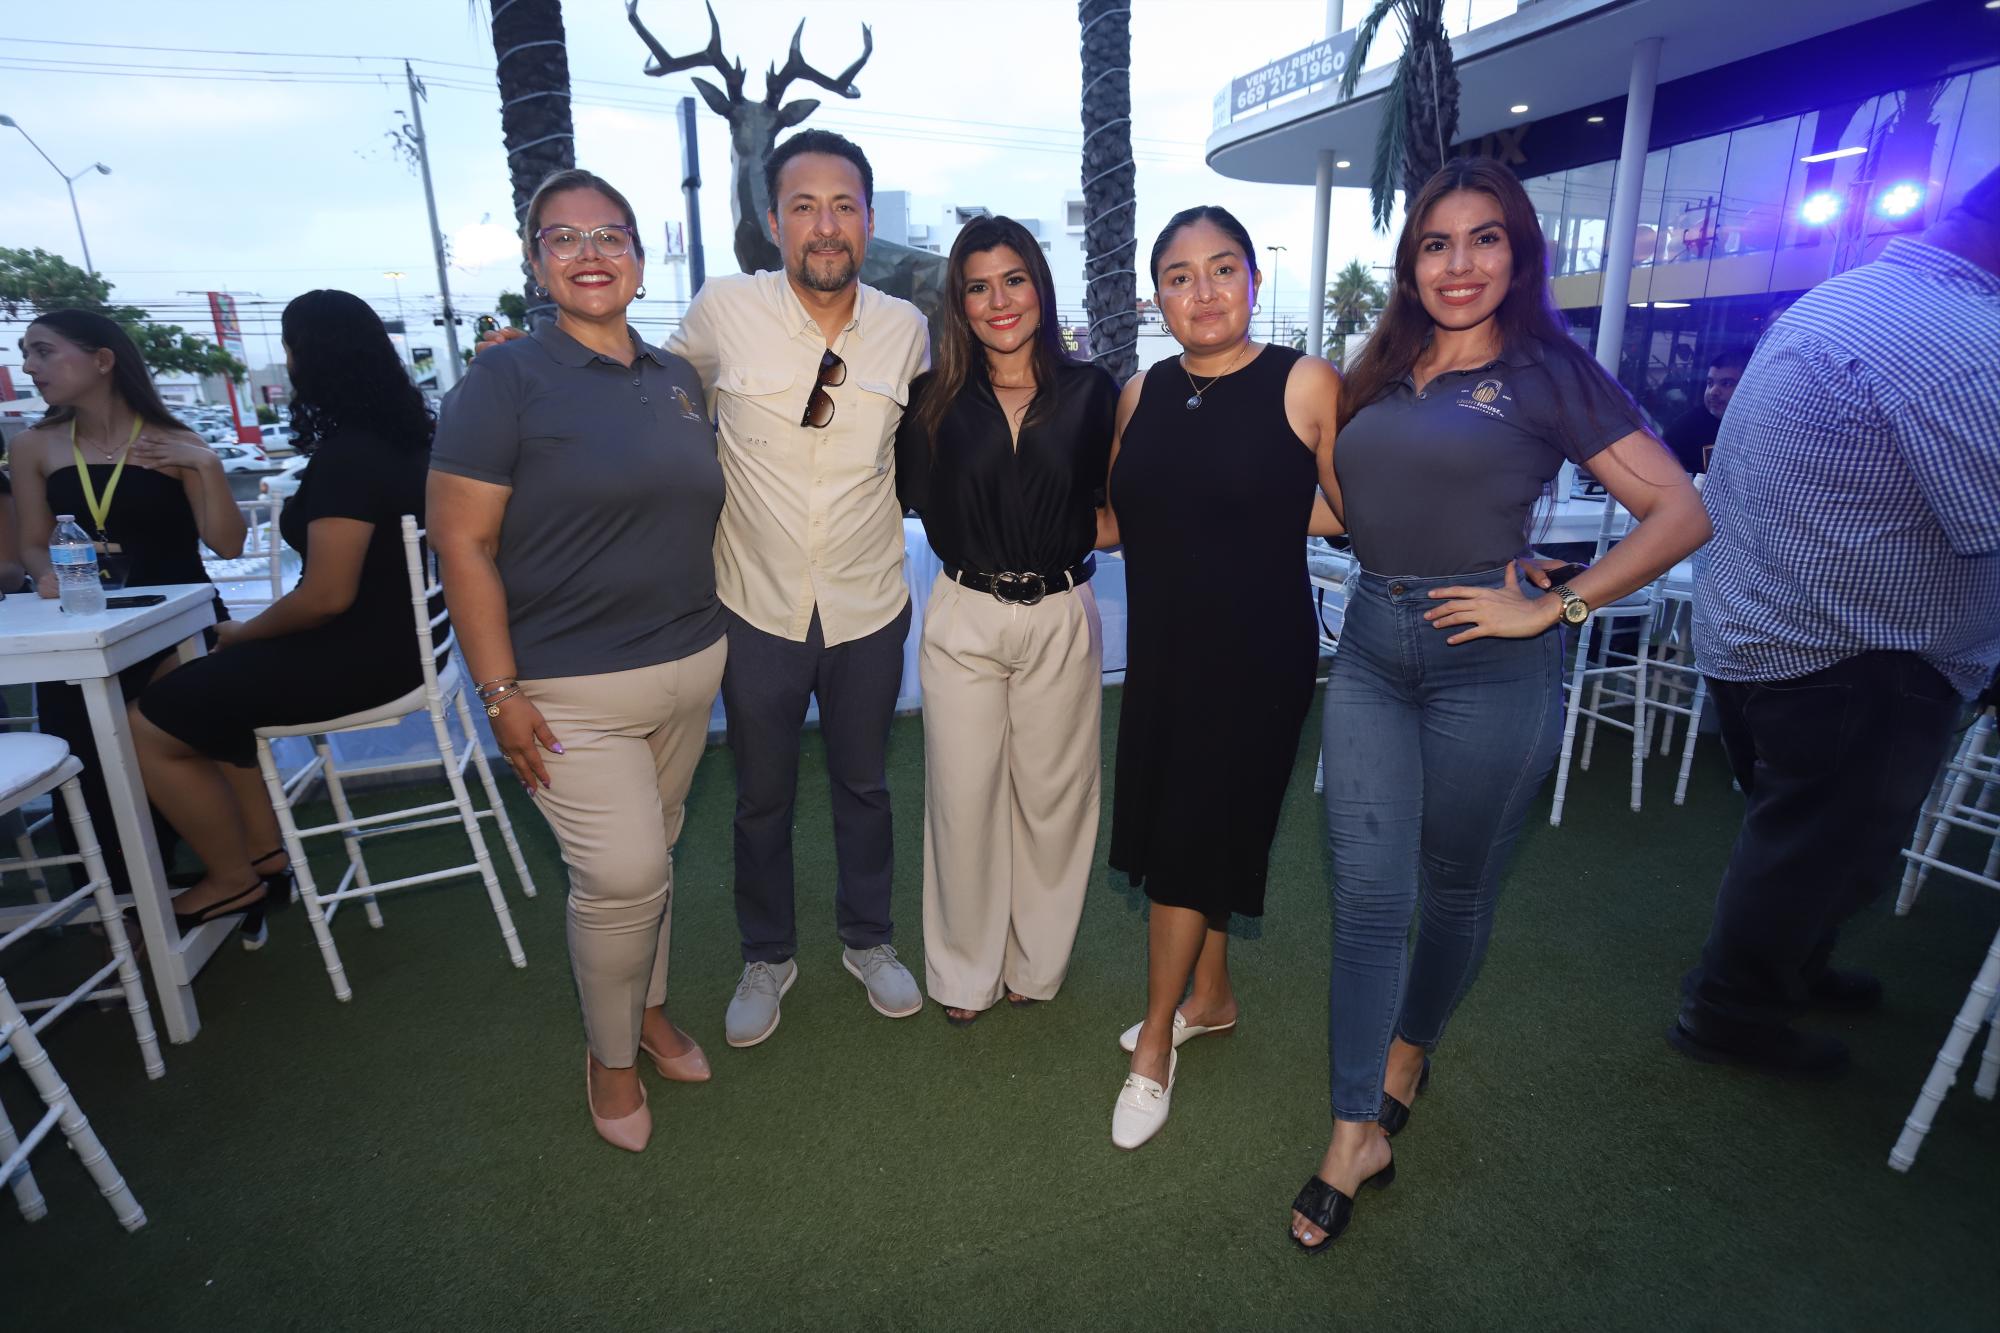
<point x="493" y="704"/>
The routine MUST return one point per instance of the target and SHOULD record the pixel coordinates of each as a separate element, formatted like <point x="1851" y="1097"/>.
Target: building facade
<point x="1781" y="145"/>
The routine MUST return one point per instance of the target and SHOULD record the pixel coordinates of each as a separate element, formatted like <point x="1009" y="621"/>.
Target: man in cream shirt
<point x="807" y="372"/>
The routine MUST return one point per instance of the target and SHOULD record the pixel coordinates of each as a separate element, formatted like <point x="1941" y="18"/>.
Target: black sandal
<point x="956" y="1021"/>
<point x="1395" y="1115"/>
<point x="1328" y="1210"/>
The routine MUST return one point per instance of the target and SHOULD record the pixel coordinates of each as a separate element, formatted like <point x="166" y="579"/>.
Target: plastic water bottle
<point x="75" y="558"/>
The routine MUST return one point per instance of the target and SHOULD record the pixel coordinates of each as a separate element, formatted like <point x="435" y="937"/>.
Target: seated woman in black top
<point x="341" y="641"/>
<point x="1003" y="452"/>
<point x="147" y="489"/>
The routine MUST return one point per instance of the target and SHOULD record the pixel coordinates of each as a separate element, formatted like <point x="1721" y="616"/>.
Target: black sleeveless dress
<point x="1212" y="508"/>
<point x="153" y="524"/>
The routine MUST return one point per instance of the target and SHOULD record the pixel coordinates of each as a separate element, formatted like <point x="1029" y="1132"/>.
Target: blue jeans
<point x="1433" y="753"/>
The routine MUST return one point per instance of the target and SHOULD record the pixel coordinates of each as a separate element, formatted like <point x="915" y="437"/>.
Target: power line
<point x="664" y="91"/>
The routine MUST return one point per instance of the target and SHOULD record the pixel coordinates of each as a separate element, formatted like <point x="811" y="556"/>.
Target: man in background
<point x="1846" y="610"/>
<point x="1692" y="437"/>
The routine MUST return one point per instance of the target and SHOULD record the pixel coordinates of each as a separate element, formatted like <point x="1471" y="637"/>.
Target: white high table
<point x="39" y="643"/>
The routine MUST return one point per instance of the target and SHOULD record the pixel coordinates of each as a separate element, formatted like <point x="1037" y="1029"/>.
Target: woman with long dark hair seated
<point x="1444" y="702"/>
<point x="339" y="642"/>
<point x="1003" y="452"/>
<point x="147" y="489"/>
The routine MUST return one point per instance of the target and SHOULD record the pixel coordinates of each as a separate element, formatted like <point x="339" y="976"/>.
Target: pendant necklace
<point x="1194" y="399"/>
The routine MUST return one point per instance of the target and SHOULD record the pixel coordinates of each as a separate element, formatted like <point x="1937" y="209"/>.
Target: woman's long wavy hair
<point x="1527" y="317"/>
<point x="961" y="356"/>
<point x="346" y="374"/>
<point x="129" y="379"/>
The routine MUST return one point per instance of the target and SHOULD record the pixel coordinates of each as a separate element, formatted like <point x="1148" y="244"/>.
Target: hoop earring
<point x="541" y="290"/>
<point x="1255" y="306"/>
<point x="640" y="295"/>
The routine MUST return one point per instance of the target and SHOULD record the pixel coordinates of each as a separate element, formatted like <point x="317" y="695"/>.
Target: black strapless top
<point x="150" y="518"/>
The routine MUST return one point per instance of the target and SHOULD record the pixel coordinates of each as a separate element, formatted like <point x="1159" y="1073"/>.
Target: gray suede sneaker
<point x="753" y="1013"/>
<point x="891" y="988"/>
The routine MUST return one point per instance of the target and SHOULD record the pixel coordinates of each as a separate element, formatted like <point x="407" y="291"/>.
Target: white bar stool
<point x="31" y="765"/>
<point x="441" y="694"/>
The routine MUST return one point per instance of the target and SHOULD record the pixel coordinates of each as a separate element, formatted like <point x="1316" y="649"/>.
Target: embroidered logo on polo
<point x="1489" y="396"/>
<point x="686" y="405"/>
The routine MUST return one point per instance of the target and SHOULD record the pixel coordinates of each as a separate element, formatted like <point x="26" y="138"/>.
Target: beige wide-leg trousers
<point x="616" y="794"/>
<point x="1012" y="697"/>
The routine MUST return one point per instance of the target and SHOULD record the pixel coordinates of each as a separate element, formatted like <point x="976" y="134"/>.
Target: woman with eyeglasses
<point x="574" y="493"/>
<point x="1003" y="452"/>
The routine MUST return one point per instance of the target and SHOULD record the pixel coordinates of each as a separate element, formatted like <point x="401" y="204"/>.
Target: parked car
<point x="280" y="484"/>
<point x="277" y="436"/>
<point x="242" y="458"/>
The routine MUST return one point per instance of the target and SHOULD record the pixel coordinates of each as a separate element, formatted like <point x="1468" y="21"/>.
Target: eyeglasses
<point x="567" y="242"/>
<point x="819" y="407"/>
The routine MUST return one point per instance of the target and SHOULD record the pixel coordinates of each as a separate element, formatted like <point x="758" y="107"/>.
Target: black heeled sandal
<point x="1328" y="1210"/>
<point x="233" y="905"/>
<point x="1395" y="1115"/>
<point x="279" y="889"/>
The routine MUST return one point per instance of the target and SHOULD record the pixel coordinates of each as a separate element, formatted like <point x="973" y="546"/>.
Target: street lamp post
<point x="397" y="277"/>
<point x="69" y="183"/>
<point x="1275" y="250"/>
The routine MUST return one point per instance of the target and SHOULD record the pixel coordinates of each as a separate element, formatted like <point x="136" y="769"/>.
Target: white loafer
<point x="1142" y="1107"/>
<point x="1183" y="1034"/>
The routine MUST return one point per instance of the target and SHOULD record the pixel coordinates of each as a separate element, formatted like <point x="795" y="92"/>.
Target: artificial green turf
<point x="421" y="1157"/>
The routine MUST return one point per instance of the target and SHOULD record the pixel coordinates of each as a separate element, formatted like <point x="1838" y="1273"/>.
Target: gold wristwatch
<point x="1574" y="609"/>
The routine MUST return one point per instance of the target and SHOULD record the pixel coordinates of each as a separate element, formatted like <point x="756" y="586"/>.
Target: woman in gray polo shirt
<point x="573" y="500"/>
<point x="1443" y="702"/>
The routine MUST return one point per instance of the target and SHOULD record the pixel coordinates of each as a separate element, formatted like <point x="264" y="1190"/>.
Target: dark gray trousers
<point x="765" y="687"/>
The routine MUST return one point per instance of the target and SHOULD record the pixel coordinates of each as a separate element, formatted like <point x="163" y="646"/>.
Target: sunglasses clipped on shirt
<point x="819" y="407"/>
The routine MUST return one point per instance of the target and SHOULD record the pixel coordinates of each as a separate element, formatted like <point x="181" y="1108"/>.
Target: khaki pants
<point x="1012" y="697"/>
<point x="615" y="799"/>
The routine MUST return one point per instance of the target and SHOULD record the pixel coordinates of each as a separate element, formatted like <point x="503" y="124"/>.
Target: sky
<point x="250" y="142"/>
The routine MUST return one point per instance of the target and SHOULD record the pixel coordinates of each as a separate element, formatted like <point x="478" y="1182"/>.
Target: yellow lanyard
<point x="99" y="512"/>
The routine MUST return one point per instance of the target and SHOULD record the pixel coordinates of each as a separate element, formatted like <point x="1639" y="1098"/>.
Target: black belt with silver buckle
<point x="1024" y="589"/>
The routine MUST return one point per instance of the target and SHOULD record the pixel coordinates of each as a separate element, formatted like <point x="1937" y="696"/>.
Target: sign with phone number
<point x="1323" y="60"/>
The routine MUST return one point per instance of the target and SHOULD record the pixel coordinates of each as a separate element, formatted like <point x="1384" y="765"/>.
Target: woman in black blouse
<point x="339" y="642"/>
<point x="1003" y="452"/>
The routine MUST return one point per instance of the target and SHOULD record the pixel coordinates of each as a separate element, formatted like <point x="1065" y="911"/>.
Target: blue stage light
<point x="1900" y="200"/>
<point x="1821" y="208"/>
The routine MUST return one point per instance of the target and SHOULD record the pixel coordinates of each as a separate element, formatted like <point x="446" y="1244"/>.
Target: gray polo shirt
<point x="606" y="548"/>
<point x="1444" y="481"/>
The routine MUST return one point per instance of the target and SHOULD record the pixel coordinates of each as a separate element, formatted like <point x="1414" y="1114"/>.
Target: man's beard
<point x="826" y="280"/>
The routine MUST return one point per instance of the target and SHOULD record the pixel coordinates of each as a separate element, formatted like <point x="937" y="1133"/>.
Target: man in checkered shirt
<point x="1846" y="609"/>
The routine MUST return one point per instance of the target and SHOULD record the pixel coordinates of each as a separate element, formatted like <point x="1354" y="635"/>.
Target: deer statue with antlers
<point x="754" y="126"/>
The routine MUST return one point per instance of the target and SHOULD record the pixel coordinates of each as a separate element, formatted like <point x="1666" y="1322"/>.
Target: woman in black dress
<point x="1214" y="489"/>
<point x="145" y="487"/>
<point x="339" y="642"/>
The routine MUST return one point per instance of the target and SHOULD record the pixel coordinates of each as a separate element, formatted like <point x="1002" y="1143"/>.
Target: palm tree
<point x="531" y="65"/>
<point x="1420" y="113"/>
<point x="1110" y="242"/>
<point x="1353" y="300"/>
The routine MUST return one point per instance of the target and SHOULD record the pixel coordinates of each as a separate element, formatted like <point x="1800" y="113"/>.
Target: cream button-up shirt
<point x="810" y="516"/>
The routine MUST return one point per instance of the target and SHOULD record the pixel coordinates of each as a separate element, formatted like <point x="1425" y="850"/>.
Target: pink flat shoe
<point x="690" y="1066"/>
<point x="630" y="1132"/>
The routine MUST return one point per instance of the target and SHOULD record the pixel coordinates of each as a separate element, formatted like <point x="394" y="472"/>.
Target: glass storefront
<point x="1733" y="227"/>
